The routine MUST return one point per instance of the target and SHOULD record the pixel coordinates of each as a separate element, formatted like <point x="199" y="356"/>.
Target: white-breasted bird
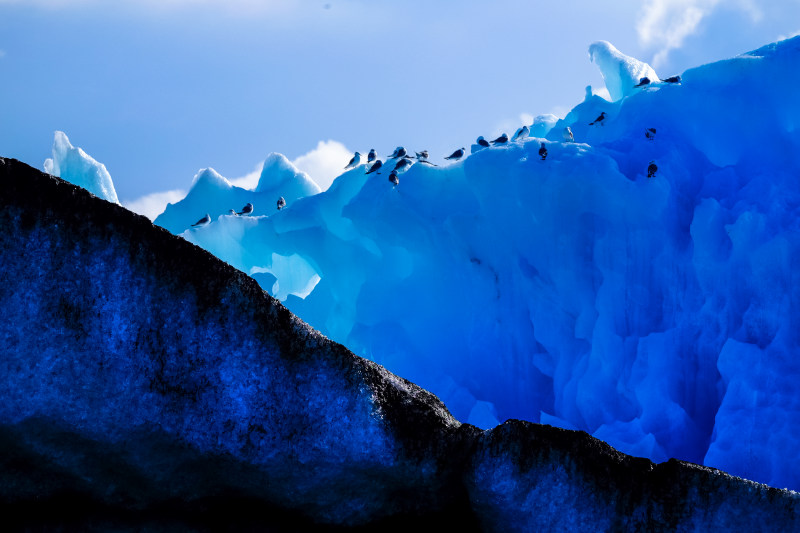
<point x="375" y="167"/>
<point x="521" y="134"/>
<point x="398" y="152"/>
<point x="354" y="162"/>
<point x="501" y="140"/>
<point x="567" y="135"/>
<point x="281" y="203"/>
<point x="599" y="120"/>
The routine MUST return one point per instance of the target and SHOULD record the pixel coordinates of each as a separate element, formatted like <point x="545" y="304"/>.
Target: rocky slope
<point x="147" y="384"/>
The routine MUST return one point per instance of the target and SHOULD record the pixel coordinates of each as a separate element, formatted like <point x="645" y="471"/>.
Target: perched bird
<point x="281" y="203"/>
<point x="232" y="212"/>
<point x="501" y="140"/>
<point x="375" y="166"/>
<point x="354" y="162"/>
<point x="371" y="156"/>
<point x="521" y="134"/>
<point x="458" y="154"/>
<point x="398" y="152"/>
<point x="650" y="133"/>
<point x="652" y="169"/>
<point x="643" y="81"/>
<point x="673" y="79"/>
<point x="567" y="135"/>
<point x="543" y="152"/>
<point x="246" y="210"/>
<point x="203" y="221"/>
<point x="422" y="155"/>
<point x="483" y="142"/>
<point x="600" y="119"/>
<point x="393" y="178"/>
<point x="402" y="165"/>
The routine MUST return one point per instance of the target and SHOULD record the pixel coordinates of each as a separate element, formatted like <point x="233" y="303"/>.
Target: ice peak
<point x="619" y="71"/>
<point x="208" y="177"/>
<point x="279" y="173"/>
<point x="76" y="166"/>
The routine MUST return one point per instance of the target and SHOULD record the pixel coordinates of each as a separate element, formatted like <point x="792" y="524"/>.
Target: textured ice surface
<point x="658" y="314"/>
<point x="213" y="194"/>
<point x="78" y="167"/>
<point x="620" y="72"/>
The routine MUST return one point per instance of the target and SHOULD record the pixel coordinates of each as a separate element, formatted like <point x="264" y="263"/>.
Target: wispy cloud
<point x="325" y="162"/>
<point x="152" y="205"/>
<point x="663" y="25"/>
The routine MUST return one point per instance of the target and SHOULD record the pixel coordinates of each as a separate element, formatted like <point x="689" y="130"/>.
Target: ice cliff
<point x="147" y="385"/>
<point x="658" y="314"/>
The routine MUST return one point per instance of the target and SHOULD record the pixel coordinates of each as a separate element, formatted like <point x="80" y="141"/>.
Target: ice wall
<point x="78" y="167"/>
<point x="659" y="314"/>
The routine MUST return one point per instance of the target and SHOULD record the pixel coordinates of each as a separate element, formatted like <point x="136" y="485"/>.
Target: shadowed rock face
<point x="146" y="383"/>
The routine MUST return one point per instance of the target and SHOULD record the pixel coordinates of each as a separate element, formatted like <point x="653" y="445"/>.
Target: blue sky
<point x="157" y="89"/>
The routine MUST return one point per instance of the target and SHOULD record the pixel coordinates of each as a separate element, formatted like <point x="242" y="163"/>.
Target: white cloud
<point x="152" y="205"/>
<point x="249" y="180"/>
<point x="665" y="24"/>
<point x="325" y="162"/>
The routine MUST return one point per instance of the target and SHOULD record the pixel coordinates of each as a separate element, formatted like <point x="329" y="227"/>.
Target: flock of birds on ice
<point x="404" y="160"/>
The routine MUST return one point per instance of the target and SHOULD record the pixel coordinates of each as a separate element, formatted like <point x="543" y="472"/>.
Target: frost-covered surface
<point x="213" y="194"/>
<point x="78" y="167"/>
<point x="147" y="386"/>
<point x="659" y="315"/>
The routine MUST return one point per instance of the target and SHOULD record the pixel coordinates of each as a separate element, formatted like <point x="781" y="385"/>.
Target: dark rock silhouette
<point x="145" y="384"/>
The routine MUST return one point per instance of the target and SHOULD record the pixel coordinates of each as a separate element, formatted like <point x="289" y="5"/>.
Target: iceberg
<point x="79" y="168"/>
<point x="658" y="313"/>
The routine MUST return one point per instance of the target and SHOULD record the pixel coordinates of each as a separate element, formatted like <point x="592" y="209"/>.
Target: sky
<point x="158" y="89"/>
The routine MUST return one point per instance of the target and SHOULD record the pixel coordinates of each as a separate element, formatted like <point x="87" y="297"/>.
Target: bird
<point x="521" y="134"/>
<point x="567" y="134"/>
<point x="402" y="165"/>
<point x="371" y="156"/>
<point x="422" y="155"/>
<point x="354" y="162"/>
<point x="673" y="79"/>
<point x="483" y="142"/>
<point x="599" y="119"/>
<point x="393" y="178"/>
<point x="203" y="221"/>
<point x="543" y="152"/>
<point x="246" y="210"/>
<point x="375" y="166"/>
<point x="652" y="169"/>
<point x="501" y="140"/>
<point x="398" y="152"/>
<point x="281" y="203"/>
<point x="232" y="212"/>
<point x="650" y="133"/>
<point x="458" y="154"/>
<point x="643" y="81"/>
